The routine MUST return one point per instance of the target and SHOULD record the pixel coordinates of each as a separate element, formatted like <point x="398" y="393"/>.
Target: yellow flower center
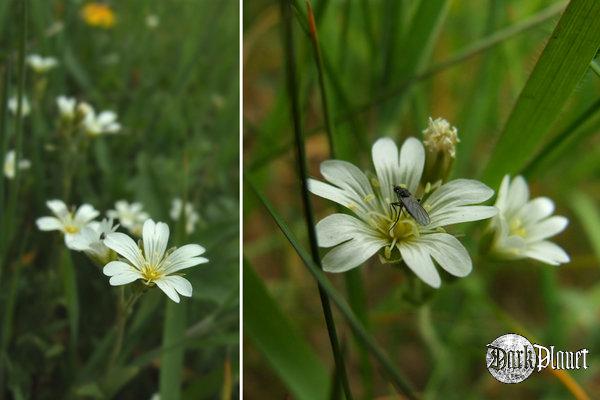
<point x="71" y="229"/>
<point x="150" y="273"/>
<point x="517" y="228"/>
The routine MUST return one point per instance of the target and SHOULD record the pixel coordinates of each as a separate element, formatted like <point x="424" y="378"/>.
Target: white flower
<point x="191" y="216"/>
<point x="440" y="136"/>
<point x="131" y="216"/>
<point x="41" y="64"/>
<point x="522" y="225"/>
<point x="10" y="167"/>
<point x="66" y="221"/>
<point x="152" y="21"/>
<point x="91" y="240"/>
<point x="152" y="263"/>
<point x="66" y="107"/>
<point x="25" y="107"/>
<point x="354" y="240"/>
<point x="98" y="124"/>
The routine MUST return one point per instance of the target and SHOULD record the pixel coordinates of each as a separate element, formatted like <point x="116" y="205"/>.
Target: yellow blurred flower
<point x="98" y="15"/>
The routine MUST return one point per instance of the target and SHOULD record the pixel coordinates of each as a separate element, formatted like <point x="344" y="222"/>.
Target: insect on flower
<point x="413" y="206"/>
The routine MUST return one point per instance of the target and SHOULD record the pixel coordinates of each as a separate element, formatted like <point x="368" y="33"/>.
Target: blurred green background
<point x="170" y="72"/>
<point x="389" y="65"/>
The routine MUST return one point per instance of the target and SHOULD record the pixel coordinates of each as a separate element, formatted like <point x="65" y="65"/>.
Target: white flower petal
<point x="49" y="224"/>
<point x="184" y="257"/>
<point x="330" y="192"/>
<point x="126" y="247"/>
<point x="547" y="228"/>
<point x="180" y="284"/>
<point x="412" y="162"/>
<point x="85" y="213"/>
<point x="449" y="253"/>
<point x="419" y="261"/>
<point x="385" y="159"/>
<point x="124" y="278"/>
<point x="502" y="198"/>
<point x="351" y="254"/>
<point x="348" y="177"/>
<point x="58" y="207"/>
<point x="443" y="217"/>
<point x="117" y="267"/>
<point x="458" y="192"/>
<point x="518" y="194"/>
<point x="337" y="228"/>
<point x="547" y="252"/>
<point x="155" y="236"/>
<point x="536" y="210"/>
<point x="168" y="289"/>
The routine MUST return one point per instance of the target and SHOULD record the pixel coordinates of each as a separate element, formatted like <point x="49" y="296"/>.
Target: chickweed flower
<point x="70" y="223"/>
<point x="152" y="21"/>
<point x="98" y="124"/>
<point x="131" y="216"/>
<point x="151" y="262"/>
<point x="13" y="106"/>
<point x="91" y="241"/>
<point x="98" y="15"/>
<point x="10" y="165"/>
<point x="191" y="216"/>
<point x="40" y="64"/>
<point x="522" y="225"/>
<point x="66" y="107"/>
<point x="373" y="227"/>
<point x="440" y="139"/>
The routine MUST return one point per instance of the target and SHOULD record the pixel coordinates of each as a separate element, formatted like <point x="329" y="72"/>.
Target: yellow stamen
<point x="150" y="273"/>
<point x="517" y="228"/>
<point x="71" y="229"/>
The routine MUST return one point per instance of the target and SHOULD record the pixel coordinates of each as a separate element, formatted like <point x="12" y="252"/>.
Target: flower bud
<point x="440" y="140"/>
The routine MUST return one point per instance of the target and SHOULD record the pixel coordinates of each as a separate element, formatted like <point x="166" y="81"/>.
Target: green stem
<point x="123" y="311"/>
<point x="286" y="12"/>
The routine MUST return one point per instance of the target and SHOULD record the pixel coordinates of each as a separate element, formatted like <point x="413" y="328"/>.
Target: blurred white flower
<point x="25" y="107"/>
<point x="91" y="240"/>
<point x="98" y="124"/>
<point x="10" y="165"/>
<point x="41" y="64"/>
<point x="152" y="263"/>
<point x="354" y="240"/>
<point x="131" y="216"/>
<point x="191" y="216"/>
<point x="522" y="225"/>
<point x="440" y="136"/>
<point x="66" y="107"/>
<point x="68" y="222"/>
<point x="152" y="21"/>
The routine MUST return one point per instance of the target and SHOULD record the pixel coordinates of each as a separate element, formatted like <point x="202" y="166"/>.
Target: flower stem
<point x="123" y="311"/>
<point x="286" y="11"/>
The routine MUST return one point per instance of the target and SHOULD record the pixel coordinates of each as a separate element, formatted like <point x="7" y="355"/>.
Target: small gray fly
<point x="413" y="206"/>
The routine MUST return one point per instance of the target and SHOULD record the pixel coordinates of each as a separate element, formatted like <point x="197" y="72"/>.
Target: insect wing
<point x="415" y="210"/>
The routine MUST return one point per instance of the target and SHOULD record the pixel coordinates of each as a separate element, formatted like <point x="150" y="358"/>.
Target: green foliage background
<point x="522" y="89"/>
<point x="175" y="89"/>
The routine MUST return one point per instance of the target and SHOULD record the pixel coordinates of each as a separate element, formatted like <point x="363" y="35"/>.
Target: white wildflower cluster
<point x="404" y="218"/>
<point x="40" y="64"/>
<point x="178" y="208"/>
<point x="81" y="115"/>
<point x="123" y="259"/>
<point x="11" y="165"/>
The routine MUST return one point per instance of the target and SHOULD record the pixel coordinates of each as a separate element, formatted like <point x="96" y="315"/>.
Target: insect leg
<point x="399" y="209"/>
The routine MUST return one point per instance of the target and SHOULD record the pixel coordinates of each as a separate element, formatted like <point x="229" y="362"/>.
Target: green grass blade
<point x="588" y="215"/>
<point x="401" y="384"/>
<point x="561" y="66"/>
<point x="292" y="88"/>
<point x="171" y="365"/>
<point x="291" y="358"/>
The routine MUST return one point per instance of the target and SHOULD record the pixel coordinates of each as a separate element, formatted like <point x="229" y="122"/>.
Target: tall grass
<point x="169" y="71"/>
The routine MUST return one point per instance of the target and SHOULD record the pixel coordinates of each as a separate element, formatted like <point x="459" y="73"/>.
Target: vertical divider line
<point x="287" y="16"/>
